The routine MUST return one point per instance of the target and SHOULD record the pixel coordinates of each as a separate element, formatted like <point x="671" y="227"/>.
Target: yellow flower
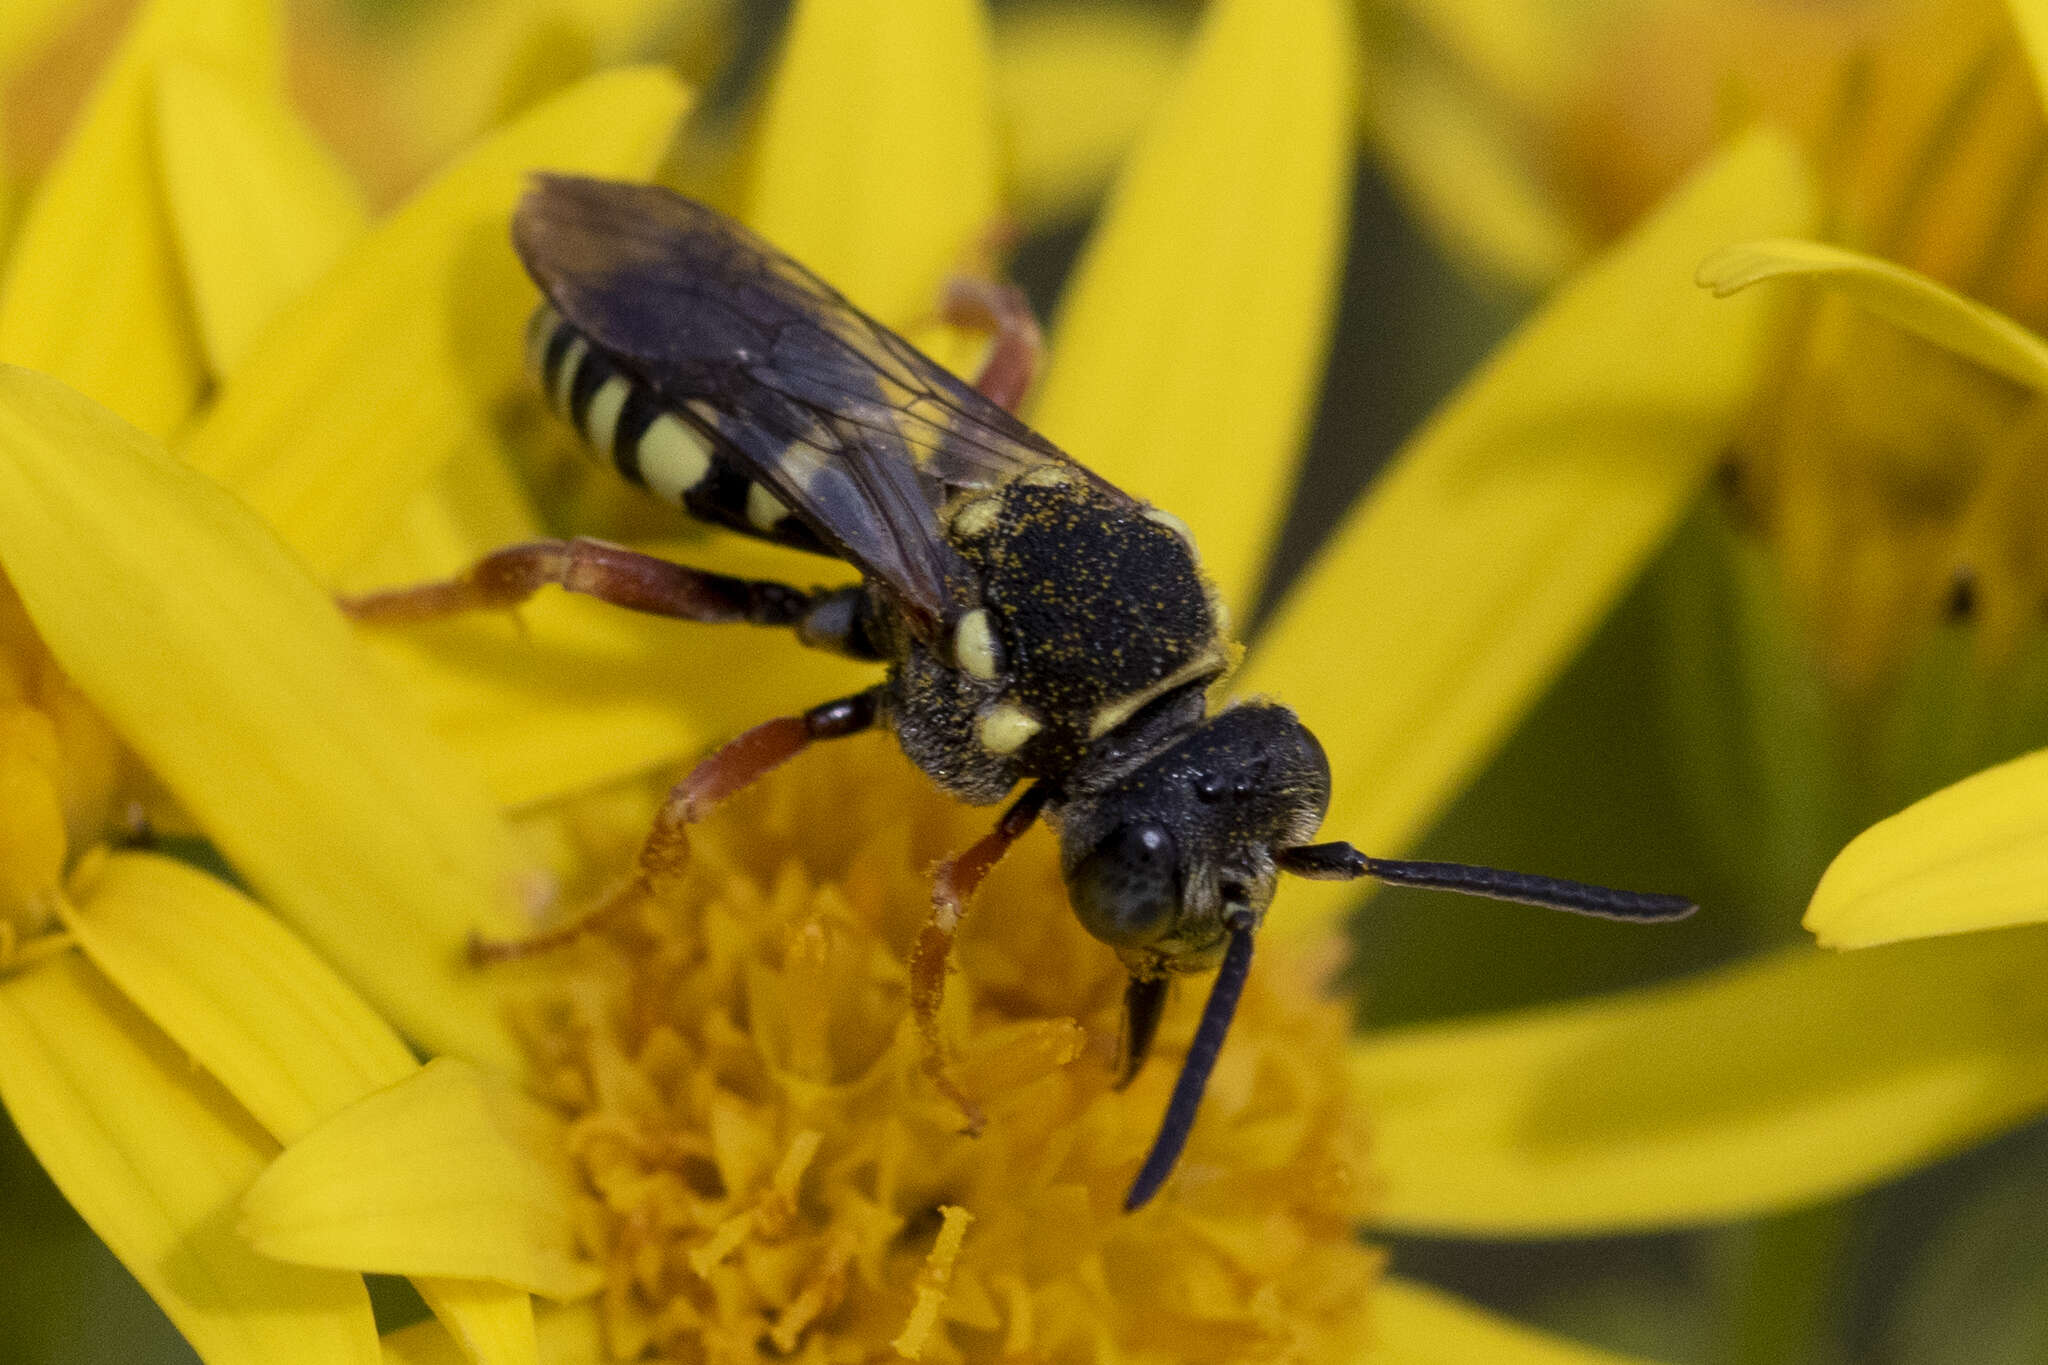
<point x="1920" y="119"/>
<point x="760" y="1159"/>
<point x="395" y="90"/>
<point x="346" y="384"/>
<point x="227" y="673"/>
<point x="1893" y="442"/>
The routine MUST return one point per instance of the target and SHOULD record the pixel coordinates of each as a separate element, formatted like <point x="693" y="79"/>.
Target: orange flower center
<point x="768" y="1169"/>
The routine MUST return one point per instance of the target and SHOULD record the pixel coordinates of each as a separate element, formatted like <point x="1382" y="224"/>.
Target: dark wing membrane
<point x="861" y="434"/>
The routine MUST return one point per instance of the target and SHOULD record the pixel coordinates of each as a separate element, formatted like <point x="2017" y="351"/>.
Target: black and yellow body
<point x="1039" y="626"/>
<point x="1088" y="609"/>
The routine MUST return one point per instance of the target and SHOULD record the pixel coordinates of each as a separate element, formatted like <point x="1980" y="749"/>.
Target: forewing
<point x="861" y="434"/>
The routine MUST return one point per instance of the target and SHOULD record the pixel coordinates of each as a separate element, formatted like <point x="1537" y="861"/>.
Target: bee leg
<point x="953" y="885"/>
<point x="596" y="568"/>
<point x="666" y="849"/>
<point x="972" y="301"/>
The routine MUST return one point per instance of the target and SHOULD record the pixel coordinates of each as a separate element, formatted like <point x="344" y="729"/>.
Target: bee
<point x="1038" y="626"/>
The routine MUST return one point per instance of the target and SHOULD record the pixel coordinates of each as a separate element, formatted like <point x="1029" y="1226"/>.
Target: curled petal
<point x="1971" y="856"/>
<point x="1901" y="296"/>
<point x="448" y="1173"/>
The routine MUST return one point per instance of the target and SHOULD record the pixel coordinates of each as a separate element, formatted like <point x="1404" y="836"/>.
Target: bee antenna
<point x="1194" y="1071"/>
<point x="1341" y="862"/>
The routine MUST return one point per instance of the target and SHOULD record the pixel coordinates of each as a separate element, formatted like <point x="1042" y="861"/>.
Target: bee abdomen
<point x="665" y="451"/>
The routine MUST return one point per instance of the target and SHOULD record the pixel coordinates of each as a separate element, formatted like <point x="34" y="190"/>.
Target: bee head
<point x="1163" y="862"/>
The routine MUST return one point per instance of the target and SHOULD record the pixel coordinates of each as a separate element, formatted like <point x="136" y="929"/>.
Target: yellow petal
<point x="1464" y="163"/>
<point x="1800" y="1077"/>
<point x="574" y="693"/>
<point x="1903" y="297"/>
<point x="448" y="1173"/>
<point x="1414" y="1324"/>
<point x="1075" y="85"/>
<point x="153" y="1157"/>
<point x="459" y="69"/>
<point x="260" y="208"/>
<point x="569" y="1335"/>
<point x="423" y="1343"/>
<point x="368" y="384"/>
<point x="25" y="25"/>
<point x="493" y="1323"/>
<point x="476" y="504"/>
<point x="253" y="1005"/>
<point x="1525" y="54"/>
<point x="232" y="674"/>
<point x="33" y="842"/>
<point x="571" y="694"/>
<point x="1971" y="856"/>
<point x="1189" y="344"/>
<point x="1455" y="93"/>
<point x="1503" y="531"/>
<point x="2031" y="18"/>
<point x="93" y="291"/>
<point x="875" y="164"/>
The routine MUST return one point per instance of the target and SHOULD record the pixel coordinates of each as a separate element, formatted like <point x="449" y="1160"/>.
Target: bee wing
<point x="859" y="433"/>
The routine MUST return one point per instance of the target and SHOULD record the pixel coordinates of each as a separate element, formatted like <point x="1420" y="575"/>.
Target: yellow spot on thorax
<point x="1047" y="476"/>
<point x="974" y="645"/>
<point x="975" y="517"/>
<point x="1006" y="727"/>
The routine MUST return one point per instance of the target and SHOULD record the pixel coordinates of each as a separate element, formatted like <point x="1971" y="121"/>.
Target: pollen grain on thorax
<point x="766" y="1165"/>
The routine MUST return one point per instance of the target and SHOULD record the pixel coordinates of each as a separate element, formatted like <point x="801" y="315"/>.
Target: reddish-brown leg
<point x="666" y="849"/>
<point x="973" y="301"/>
<point x="953" y="885"/>
<point x="595" y="568"/>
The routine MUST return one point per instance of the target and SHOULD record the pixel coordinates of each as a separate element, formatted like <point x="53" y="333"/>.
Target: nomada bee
<point x="1040" y="627"/>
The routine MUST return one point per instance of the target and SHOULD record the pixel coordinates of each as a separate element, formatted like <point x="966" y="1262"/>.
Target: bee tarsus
<point x="954" y="883"/>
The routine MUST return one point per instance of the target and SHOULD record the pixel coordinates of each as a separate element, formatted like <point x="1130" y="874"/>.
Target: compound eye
<point x="1127" y="892"/>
